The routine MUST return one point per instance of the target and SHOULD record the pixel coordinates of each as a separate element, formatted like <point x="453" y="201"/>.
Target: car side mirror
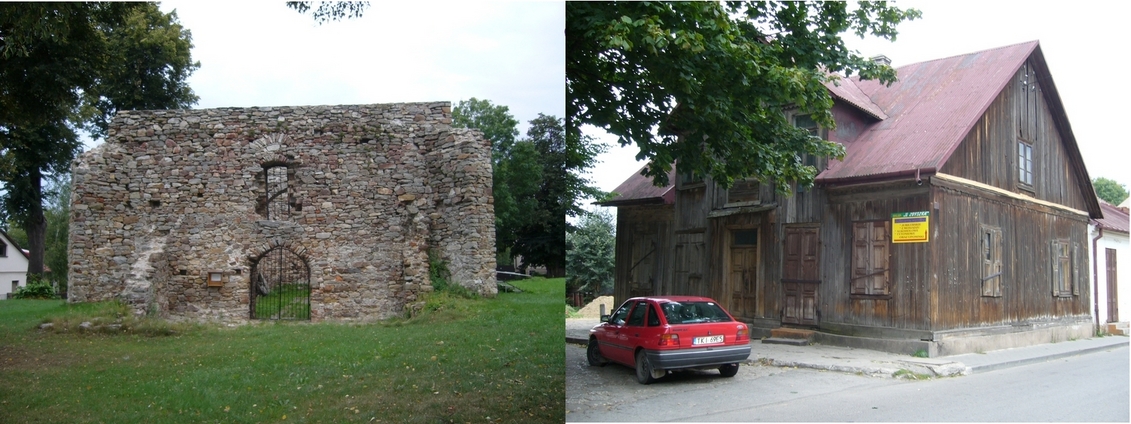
<point x="604" y="318"/>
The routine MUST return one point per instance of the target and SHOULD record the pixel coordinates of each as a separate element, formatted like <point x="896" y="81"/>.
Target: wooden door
<point x="743" y="272"/>
<point x="1112" y="294"/>
<point x="800" y="276"/>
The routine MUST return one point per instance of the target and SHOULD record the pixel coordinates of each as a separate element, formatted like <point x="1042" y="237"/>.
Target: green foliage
<point x="704" y="84"/>
<point x="494" y="121"/>
<point x="590" y="258"/>
<point x="1110" y="190"/>
<point x="907" y="374"/>
<point x="920" y="353"/>
<point x="70" y="66"/>
<point x="414" y="371"/>
<point x="35" y="289"/>
<point x="441" y="278"/>
<point x="330" y="11"/>
<point x="536" y="181"/>
<point x="559" y="192"/>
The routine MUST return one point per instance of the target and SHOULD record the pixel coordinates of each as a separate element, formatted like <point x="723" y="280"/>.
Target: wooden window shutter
<point x="1054" y="261"/>
<point x="1076" y="265"/>
<point x="879" y="258"/>
<point x="860" y="269"/>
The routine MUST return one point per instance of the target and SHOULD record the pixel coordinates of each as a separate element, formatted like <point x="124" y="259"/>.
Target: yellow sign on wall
<point x="909" y="227"/>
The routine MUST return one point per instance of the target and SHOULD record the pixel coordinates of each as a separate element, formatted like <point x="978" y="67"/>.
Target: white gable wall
<point x="13" y="268"/>
<point x="1119" y="242"/>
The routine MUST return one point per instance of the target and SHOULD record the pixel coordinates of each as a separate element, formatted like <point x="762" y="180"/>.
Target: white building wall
<point x="13" y="268"/>
<point x="1122" y="246"/>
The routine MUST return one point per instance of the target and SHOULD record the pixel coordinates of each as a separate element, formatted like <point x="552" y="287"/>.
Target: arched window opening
<point x="278" y="197"/>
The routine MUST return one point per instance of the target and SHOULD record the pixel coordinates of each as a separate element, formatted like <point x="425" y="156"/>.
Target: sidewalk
<point x="876" y="363"/>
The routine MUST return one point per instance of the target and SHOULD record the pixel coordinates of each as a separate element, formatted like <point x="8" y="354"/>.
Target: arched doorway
<point x="280" y="286"/>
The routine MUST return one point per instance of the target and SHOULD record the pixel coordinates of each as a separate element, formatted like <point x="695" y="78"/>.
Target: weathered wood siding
<point x="1027" y="231"/>
<point x="909" y="265"/>
<point x="989" y="152"/>
<point x="643" y="250"/>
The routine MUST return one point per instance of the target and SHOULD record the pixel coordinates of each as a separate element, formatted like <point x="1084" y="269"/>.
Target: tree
<point x="704" y="84"/>
<point x="69" y="66"/>
<point x="1110" y="190"/>
<point x="542" y="240"/>
<point x="494" y="121"/>
<point x="330" y="11"/>
<point x="589" y="258"/>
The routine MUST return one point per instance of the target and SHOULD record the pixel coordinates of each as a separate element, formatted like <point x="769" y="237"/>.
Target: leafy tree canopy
<point x="330" y="11"/>
<point x="71" y="66"/>
<point x="704" y="84"/>
<point x="1110" y="190"/>
<point x="494" y="121"/>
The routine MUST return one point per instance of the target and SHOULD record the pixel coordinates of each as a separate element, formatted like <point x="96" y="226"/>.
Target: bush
<point x="441" y="276"/>
<point x="35" y="289"/>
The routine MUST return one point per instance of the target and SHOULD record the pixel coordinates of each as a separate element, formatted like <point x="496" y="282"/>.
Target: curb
<point x="1039" y="359"/>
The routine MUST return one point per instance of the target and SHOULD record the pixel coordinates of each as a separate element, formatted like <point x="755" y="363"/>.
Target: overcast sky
<point x="262" y="53"/>
<point x="1084" y="43"/>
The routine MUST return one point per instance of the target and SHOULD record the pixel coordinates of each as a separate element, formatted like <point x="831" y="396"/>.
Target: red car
<point x="659" y="334"/>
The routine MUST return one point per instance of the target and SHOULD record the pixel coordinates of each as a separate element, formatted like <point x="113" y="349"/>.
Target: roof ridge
<point x="1037" y="42"/>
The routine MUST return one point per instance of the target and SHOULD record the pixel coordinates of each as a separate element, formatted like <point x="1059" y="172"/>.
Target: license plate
<point x="707" y="340"/>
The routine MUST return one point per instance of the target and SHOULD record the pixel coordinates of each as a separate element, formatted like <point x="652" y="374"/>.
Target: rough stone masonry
<point x="176" y="213"/>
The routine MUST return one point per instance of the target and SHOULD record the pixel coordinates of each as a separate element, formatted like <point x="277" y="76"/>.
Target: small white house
<point x="13" y="266"/>
<point x="1109" y="247"/>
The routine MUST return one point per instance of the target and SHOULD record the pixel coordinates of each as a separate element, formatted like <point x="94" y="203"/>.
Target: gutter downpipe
<point x="1096" y="275"/>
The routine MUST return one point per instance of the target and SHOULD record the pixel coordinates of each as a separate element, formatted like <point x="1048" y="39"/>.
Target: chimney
<point x="881" y="59"/>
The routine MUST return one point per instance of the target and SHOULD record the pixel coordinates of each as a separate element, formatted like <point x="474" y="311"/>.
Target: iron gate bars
<point x="280" y="286"/>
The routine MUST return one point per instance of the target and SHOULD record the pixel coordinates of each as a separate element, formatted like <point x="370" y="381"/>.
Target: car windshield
<point x="693" y="312"/>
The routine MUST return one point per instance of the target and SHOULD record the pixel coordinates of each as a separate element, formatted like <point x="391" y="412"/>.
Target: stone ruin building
<point x="320" y="212"/>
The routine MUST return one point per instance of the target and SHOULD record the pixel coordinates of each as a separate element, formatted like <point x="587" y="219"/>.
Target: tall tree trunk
<point x="35" y="225"/>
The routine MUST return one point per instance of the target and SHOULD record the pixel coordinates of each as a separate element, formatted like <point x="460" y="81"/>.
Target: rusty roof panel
<point x="849" y="92"/>
<point x="1114" y="219"/>
<point x="639" y="190"/>
<point x="929" y="112"/>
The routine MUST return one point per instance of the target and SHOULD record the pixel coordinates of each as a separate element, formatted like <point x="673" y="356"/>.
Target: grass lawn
<point x="485" y="360"/>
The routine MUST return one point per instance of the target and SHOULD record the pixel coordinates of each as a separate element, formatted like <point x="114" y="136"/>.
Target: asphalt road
<point x="1091" y="387"/>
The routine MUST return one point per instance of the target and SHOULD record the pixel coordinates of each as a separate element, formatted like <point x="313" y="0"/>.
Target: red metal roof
<point x="1114" y="219"/>
<point x="929" y="112"/>
<point x="639" y="190"/>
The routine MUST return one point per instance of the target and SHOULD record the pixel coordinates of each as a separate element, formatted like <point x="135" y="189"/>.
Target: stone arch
<point x="280" y="283"/>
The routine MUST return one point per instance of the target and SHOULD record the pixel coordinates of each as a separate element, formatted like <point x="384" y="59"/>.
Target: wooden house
<point x="956" y="222"/>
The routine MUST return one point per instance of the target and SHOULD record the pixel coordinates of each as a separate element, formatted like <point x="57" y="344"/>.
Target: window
<point x="637" y="317"/>
<point x="278" y="205"/>
<point x="3" y="250"/>
<point x="620" y="314"/>
<point x="807" y="123"/>
<point x="1025" y="163"/>
<point x="991" y="261"/>
<point x="1065" y="268"/>
<point x="870" y="242"/>
<point x="15" y="285"/>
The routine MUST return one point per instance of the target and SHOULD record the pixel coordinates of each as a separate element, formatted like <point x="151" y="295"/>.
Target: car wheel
<point x="728" y="370"/>
<point x="645" y="374"/>
<point x="593" y="353"/>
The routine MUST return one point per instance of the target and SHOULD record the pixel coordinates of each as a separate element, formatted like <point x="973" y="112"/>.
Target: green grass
<point x="287" y="301"/>
<point x="910" y="375"/>
<point x="460" y="360"/>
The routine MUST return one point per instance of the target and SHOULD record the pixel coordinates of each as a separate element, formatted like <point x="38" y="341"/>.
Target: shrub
<point x="35" y="289"/>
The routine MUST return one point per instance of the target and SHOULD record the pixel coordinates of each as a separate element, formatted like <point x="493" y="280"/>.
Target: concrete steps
<point x="790" y="336"/>
<point x="1119" y="328"/>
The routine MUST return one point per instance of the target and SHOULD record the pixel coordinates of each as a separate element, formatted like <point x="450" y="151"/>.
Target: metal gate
<point x="280" y="286"/>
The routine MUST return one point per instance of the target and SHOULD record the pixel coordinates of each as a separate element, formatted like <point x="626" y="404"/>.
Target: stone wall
<point x="369" y="189"/>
